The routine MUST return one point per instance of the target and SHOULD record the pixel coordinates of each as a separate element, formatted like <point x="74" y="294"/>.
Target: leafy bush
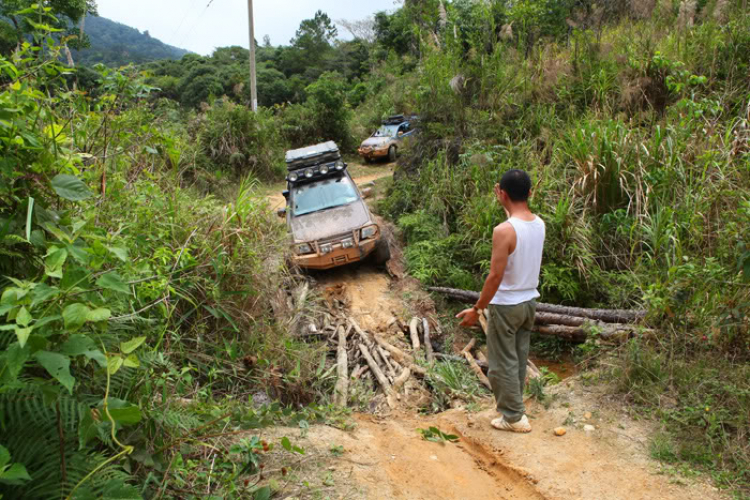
<point x="233" y="137"/>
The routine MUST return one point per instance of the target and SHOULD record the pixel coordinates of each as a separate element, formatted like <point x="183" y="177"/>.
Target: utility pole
<point x="253" y="80"/>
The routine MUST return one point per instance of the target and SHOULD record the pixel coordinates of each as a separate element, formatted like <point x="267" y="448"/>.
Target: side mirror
<point x="285" y="193"/>
<point x="367" y="193"/>
<point x="281" y="212"/>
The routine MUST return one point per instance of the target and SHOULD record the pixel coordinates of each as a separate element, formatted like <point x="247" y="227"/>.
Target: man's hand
<point x="469" y="317"/>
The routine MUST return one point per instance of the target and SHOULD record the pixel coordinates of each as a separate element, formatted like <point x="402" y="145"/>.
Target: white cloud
<point x="192" y="25"/>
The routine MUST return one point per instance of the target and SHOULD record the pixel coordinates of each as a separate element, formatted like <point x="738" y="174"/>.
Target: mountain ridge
<point x="115" y="44"/>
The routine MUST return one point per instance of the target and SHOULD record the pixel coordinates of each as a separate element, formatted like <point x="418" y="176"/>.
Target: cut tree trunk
<point x="606" y="315"/>
<point x="342" y="385"/>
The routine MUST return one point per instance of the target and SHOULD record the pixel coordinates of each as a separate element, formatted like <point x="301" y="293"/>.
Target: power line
<point x="190" y="31"/>
<point x="187" y="12"/>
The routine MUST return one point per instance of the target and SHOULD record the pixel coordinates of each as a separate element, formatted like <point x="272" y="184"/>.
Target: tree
<point x="67" y="13"/>
<point x="315" y="34"/>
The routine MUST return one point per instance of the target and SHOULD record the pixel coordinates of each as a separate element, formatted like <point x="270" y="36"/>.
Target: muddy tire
<point x="392" y="154"/>
<point x="382" y="253"/>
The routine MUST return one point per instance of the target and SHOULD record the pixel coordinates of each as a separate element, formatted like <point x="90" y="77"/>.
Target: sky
<point x="191" y="25"/>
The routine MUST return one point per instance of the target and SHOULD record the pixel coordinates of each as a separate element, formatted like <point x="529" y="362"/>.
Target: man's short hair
<point x="517" y="184"/>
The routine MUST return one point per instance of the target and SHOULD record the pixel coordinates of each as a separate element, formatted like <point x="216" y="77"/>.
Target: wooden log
<point x="342" y="384"/>
<point x="573" y="333"/>
<point x="606" y="315"/>
<point x="400" y="356"/>
<point x="399" y="382"/>
<point x="469" y="346"/>
<point x="414" y="332"/>
<point x="476" y="369"/>
<point x="452" y="357"/>
<point x="427" y="342"/>
<point x="388" y="365"/>
<point x="532" y="371"/>
<point x="543" y="318"/>
<point x="379" y="375"/>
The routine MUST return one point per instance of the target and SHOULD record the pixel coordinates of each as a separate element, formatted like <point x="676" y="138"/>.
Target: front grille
<point x="337" y="238"/>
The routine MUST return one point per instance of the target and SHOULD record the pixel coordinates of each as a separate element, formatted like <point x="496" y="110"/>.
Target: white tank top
<point x="521" y="278"/>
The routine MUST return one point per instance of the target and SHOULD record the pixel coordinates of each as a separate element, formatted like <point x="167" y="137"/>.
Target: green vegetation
<point x="140" y="271"/>
<point x="633" y="122"/>
<point x="135" y="309"/>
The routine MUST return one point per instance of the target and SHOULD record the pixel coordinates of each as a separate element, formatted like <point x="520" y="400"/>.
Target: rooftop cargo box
<point x="312" y="155"/>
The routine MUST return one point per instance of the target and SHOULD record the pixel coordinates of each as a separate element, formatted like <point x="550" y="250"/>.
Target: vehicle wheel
<point x="382" y="253"/>
<point x="368" y="160"/>
<point x="392" y="154"/>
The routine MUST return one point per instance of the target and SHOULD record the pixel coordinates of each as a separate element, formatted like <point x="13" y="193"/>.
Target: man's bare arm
<point x="502" y="240"/>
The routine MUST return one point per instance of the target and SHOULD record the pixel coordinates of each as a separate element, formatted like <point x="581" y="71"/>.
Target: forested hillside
<point x="114" y="44"/>
<point x="149" y="319"/>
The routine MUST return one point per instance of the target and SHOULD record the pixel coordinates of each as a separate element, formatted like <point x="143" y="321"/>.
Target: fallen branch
<point x="427" y="342"/>
<point x="606" y="315"/>
<point x="401" y="379"/>
<point x="379" y="375"/>
<point x="400" y="356"/>
<point x="342" y="384"/>
<point x="476" y="369"/>
<point x="414" y="332"/>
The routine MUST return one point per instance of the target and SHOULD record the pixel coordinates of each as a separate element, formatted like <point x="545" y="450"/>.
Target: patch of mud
<point x="366" y="290"/>
<point x="388" y="459"/>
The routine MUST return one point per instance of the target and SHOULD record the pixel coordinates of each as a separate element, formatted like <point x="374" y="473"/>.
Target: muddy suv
<point x="326" y="214"/>
<point x="384" y="143"/>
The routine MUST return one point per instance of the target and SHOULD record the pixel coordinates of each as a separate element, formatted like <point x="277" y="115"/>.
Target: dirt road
<point x="604" y="454"/>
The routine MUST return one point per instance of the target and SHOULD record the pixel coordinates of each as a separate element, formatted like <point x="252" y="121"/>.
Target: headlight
<point x="348" y="243"/>
<point x="324" y="170"/>
<point x="327" y="248"/>
<point x="309" y="173"/>
<point x="293" y="177"/>
<point x="368" y="232"/>
<point x="303" y="249"/>
<point x="340" y="165"/>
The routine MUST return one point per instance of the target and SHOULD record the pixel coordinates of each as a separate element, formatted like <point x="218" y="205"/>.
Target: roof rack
<point x="312" y="155"/>
<point x="394" y="120"/>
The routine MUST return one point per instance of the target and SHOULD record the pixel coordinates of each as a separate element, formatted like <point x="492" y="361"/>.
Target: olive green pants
<point x="508" y="336"/>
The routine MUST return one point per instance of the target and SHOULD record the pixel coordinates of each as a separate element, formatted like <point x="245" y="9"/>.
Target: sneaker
<point x="522" y="426"/>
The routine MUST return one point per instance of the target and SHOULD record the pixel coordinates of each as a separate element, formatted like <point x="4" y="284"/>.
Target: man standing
<point x="510" y="291"/>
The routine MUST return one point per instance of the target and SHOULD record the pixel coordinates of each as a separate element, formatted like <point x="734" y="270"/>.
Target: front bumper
<point x="338" y="257"/>
<point x="373" y="153"/>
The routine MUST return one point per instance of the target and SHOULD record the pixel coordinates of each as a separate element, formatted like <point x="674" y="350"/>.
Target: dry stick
<point x="400" y="356"/>
<point x="342" y="385"/>
<point x="469" y="346"/>
<point x="401" y="379"/>
<point x="476" y="369"/>
<point x="532" y="371"/>
<point x="414" y="333"/>
<point x="606" y="315"/>
<point x="427" y="342"/>
<point x="382" y="380"/>
<point x="388" y="365"/>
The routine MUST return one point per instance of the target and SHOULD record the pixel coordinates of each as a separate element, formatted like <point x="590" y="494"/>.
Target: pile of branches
<point x="388" y="360"/>
<point x="572" y="323"/>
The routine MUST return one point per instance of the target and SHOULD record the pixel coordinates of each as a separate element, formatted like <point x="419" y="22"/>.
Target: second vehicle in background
<point x="385" y="142"/>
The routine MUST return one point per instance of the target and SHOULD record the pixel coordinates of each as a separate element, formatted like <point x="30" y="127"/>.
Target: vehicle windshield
<point x="386" y="131"/>
<point x="322" y="195"/>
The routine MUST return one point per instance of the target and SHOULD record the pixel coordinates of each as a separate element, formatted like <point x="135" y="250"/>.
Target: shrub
<point x="233" y="137"/>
